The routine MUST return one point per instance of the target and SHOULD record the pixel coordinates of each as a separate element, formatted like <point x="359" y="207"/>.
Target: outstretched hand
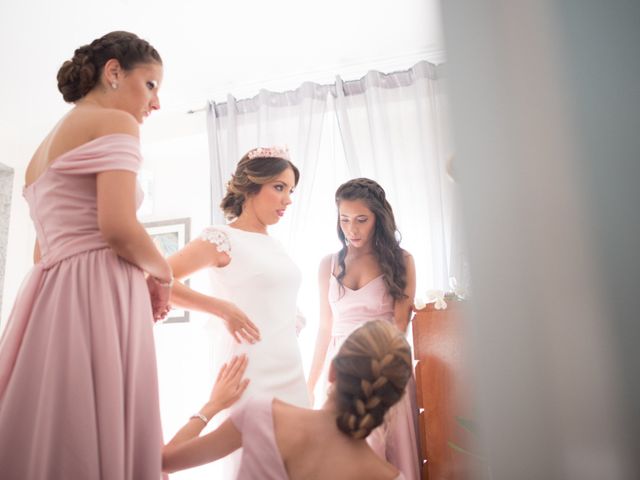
<point x="229" y="385"/>
<point x="238" y="324"/>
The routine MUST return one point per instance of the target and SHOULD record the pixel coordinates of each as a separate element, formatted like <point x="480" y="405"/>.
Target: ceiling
<point x="209" y="48"/>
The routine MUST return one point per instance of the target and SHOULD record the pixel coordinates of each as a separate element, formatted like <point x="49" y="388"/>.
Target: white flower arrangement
<point x="419" y="303"/>
<point x="439" y="297"/>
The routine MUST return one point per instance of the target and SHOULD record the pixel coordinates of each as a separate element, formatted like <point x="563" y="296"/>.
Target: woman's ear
<point x="112" y="72"/>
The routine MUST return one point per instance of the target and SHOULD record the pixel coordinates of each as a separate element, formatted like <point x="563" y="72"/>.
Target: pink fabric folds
<point x="261" y="459"/>
<point x="78" y="381"/>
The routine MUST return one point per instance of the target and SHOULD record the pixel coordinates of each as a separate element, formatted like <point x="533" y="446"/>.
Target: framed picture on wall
<point x="170" y="236"/>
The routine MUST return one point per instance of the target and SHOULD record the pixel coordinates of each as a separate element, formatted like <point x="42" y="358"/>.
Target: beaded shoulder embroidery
<point x="218" y="238"/>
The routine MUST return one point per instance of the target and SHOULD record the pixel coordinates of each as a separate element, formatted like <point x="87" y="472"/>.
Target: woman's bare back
<point x="312" y="447"/>
<point x="79" y="126"/>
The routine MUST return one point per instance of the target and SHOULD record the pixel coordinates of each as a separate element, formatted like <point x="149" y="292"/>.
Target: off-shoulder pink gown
<point x="78" y="379"/>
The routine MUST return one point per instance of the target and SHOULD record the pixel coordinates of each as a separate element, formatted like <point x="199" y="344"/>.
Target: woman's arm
<point x="403" y="308"/>
<point x="116" y="204"/>
<point x="187" y="449"/>
<point x="119" y="226"/>
<point x="218" y="444"/>
<point x="324" y="326"/>
<point x="128" y="239"/>
<point x="197" y="255"/>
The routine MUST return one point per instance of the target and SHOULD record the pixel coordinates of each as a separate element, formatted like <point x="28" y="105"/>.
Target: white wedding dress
<point x="263" y="281"/>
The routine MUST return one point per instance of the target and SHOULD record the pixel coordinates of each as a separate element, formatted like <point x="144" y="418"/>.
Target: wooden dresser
<point x="441" y="391"/>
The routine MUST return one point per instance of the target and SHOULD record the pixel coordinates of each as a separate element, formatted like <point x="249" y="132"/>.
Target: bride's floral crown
<point x="277" y="152"/>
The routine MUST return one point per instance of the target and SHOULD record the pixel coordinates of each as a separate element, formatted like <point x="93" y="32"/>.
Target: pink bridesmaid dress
<point x="261" y="459"/>
<point x="78" y="380"/>
<point x="396" y="439"/>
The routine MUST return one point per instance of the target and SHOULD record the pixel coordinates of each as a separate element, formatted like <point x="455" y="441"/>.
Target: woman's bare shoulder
<point x="109" y="121"/>
<point x="326" y="262"/>
<point x="281" y="406"/>
<point x="77" y="127"/>
<point x="378" y="468"/>
<point x="406" y="254"/>
<point x="81" y="125"/>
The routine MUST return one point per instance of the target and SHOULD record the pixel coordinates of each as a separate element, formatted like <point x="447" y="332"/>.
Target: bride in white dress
<point x="254" y="282"/>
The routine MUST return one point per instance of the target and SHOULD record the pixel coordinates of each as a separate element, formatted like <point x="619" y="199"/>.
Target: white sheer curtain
<point x="392" y="128"/>
<point x="395" y="131"/>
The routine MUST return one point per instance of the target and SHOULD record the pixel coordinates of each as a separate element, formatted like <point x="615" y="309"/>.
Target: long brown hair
<point x="371" y="369"/>
<point x="386" y="246"/>
<point x="251" y="173"/>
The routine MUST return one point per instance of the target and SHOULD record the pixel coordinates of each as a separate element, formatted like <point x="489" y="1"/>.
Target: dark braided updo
<point x="250" y="175"/>
<point x="386" y="247"/>
<point x="372" y="369"/>
<point x="81" y="74"/>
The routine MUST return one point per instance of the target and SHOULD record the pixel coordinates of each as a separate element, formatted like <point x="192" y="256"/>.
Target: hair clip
<point x="277" y="152"/>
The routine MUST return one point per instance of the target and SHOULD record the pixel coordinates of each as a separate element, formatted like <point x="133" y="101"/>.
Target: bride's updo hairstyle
<point x="371" y="370"/>
<point x="81" y="74"/>
<point x="255" y="168"/>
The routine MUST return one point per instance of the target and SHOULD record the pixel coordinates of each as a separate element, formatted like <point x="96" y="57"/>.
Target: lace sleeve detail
<point x="218" y="238"/>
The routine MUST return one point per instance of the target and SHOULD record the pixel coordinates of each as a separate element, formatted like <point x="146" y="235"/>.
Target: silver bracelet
<point x="201" y="417"/>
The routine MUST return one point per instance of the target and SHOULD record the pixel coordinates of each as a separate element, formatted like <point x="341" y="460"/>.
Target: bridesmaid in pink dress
<point x="370" y="278"/>
<point x="78" y="386"/>
<point x="283" y="441"/>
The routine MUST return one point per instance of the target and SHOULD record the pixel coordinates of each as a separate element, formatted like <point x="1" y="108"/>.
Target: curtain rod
<point x="332" y="85"/>
<point x="321" y="85"/>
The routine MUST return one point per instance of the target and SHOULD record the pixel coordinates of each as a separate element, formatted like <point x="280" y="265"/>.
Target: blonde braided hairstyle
<point x="371" y="369"/>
